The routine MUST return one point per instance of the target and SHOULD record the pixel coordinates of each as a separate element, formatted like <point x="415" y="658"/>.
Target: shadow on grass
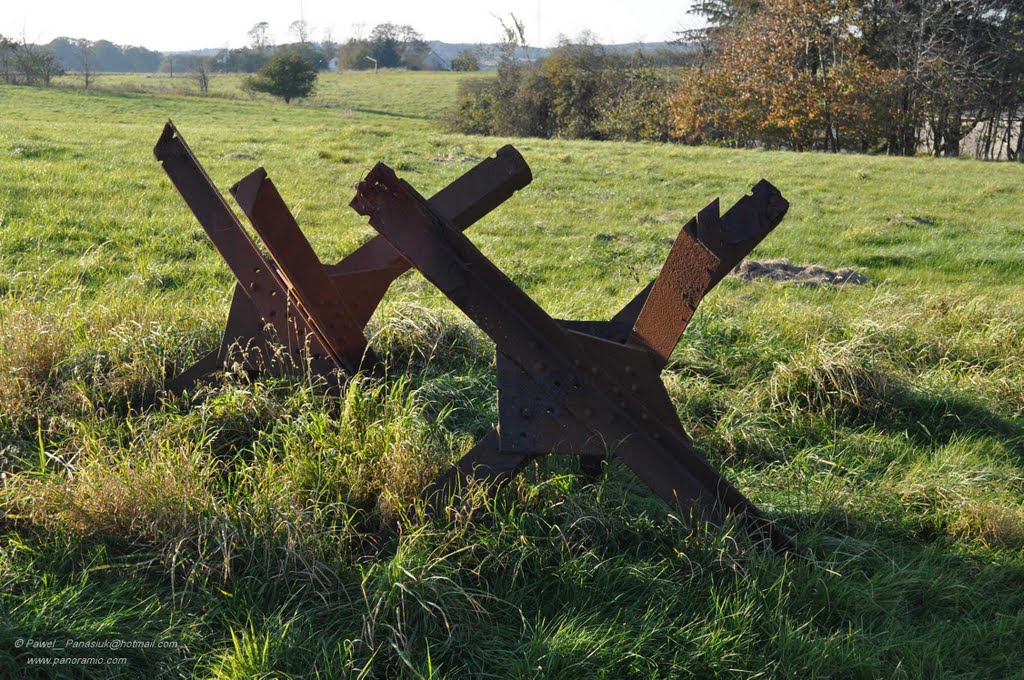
<point x="933" y="419"/>
<point x="582" y="588"/>
<point x="390" y="114"/>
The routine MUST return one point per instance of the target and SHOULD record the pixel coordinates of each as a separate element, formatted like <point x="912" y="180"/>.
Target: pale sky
<point x="191" y="24"/>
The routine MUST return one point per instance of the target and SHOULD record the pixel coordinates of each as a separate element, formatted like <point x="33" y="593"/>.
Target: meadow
<point x="882" y="425"/>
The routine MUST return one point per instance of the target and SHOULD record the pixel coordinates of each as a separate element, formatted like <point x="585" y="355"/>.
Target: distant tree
<point x="8" y="52"/>
<point x="389" y="45"/>
<point x="573" y="70"/>
<point x="202" y="68"/>
<point x="353" y="55"/>
<point x="167" y="65"/>
<point x="513" y="38"/>
<point x="632" y="101"/>
<point x="579" y="90"/>
<point x="466" y="60"/>
<point x="301" y="29"/>
<point x="244" y="60"/>
<point x="86" y="61"/>
<point x="138" y="60"/>
<point x="87" y="58"/>
<point x="37" y="64"/>
<point x="286" y="75"/>
<point x="327" y="45"/>
<point x="259" y="36"/>
<point x="307" y="51"/>
<point x="384" y="45"/>
<point x="413" y="47"/>
<point x="111" y="56"/>
<point x="394" y="45"/>
<point x="719" y="15"/>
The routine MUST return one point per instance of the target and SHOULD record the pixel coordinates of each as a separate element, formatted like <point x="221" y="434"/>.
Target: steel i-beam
<point x="583" y="387"/>
<point x="306" y="305"/>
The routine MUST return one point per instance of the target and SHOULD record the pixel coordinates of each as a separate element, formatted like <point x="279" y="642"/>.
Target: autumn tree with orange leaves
<point x="791" y="76"/>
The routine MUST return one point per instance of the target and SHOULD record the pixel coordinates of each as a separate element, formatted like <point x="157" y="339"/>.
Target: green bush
<point x="577" y="92"/>
<point x="466" y="60"/>
<point x="634" y="105"/>
<point x="287" y="75"/>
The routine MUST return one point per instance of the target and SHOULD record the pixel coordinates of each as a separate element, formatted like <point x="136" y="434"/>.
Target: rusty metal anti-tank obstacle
<point x="584" y="388"/>
<point x="316" y="312"/>
<point x="587" y="388"/>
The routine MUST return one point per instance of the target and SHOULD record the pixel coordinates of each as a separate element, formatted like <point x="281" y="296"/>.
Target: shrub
<point x="288" y="75"/>
<point x="466" y="60"/>
<point x="577" y="92"/>
<point x="634" y="104"/>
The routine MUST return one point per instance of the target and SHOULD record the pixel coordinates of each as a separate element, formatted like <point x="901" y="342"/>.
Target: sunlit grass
<point x="882" y="424"/>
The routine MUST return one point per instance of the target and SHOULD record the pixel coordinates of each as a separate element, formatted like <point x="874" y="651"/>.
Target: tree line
<point x="29" y="64"/>
<point x="578" y="90"/>
<point x="887" y="76"/>
<point x="870" y="76"/>
<point x="389" y="45"/>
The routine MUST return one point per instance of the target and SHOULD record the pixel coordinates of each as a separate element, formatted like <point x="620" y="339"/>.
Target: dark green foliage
<point x="307" y="51"/>
<point x="8" y="52"/>
<point x="466" y="60"/>
<point x="106" y="56"/>
<point x="577" y="92"/>
<point x="634" y="105"/>
<point x="287" y="75"/>
<point x="389" y="46"/>
<point x="244" y="60"/>
<point x="27" y="64"/>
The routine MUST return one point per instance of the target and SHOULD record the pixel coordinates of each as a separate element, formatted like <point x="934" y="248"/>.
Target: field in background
<point x="882" y="424"/>
<point x="422" y="94"/>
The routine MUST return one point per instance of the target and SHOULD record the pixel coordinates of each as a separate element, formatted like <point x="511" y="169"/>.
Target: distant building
<point x="332" y="65"/>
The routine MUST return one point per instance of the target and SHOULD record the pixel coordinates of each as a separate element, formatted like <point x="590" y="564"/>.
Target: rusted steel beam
<point x="322" y="308"/>
<point x="365" y="275"/>
<point x="266" y="291"/>
<point x="463" y="202"/>
<point x="567" y="391"/>
<point x="679" y="288"/>
<point x="729" y="239"/>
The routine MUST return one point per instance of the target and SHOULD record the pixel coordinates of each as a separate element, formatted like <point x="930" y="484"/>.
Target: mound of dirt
<point x="807" y="275"/>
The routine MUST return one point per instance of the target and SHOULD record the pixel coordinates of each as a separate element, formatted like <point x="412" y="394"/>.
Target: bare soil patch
<point x="807" y="274"/>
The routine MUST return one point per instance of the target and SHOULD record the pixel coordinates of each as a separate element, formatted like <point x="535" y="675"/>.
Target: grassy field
<point x="882" y="425"/>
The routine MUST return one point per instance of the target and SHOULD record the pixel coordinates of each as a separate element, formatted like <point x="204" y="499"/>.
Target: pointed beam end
<point x="371" y="188"/>
<point x="163" y="145"/>
<point x="248" y="188"/>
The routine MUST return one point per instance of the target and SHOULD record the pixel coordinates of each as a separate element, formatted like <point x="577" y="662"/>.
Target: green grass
<point x="883" y="425"/>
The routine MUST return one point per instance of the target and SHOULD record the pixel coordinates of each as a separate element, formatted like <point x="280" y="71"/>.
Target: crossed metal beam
<point x="588" y="388"/>
<point x="317" y="312"/>
<point x="584" y="388"/>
